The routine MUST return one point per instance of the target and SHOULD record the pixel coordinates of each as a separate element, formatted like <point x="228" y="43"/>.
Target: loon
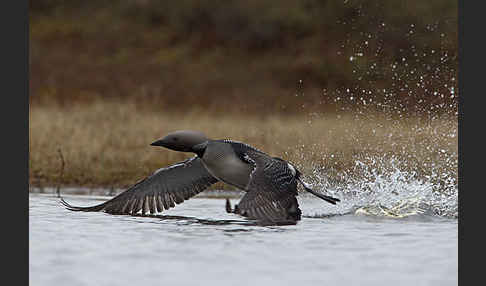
<point x="270" y="182"/>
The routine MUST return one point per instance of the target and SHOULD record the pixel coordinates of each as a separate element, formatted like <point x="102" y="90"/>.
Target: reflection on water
<point x="194" y="220"/>
<point x="198" y="243"/>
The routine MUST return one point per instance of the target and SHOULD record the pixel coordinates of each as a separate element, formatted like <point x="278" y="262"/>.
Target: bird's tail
<point x="328" y="199"/>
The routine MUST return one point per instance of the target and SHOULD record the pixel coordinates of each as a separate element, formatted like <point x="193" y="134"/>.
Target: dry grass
<point x="107" y="143"/>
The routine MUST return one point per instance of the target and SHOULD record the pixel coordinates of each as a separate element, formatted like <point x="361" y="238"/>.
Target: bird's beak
<point x="160" y="142"/>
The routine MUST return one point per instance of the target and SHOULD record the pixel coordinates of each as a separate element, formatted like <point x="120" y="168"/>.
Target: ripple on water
<point x="206" y="245"/>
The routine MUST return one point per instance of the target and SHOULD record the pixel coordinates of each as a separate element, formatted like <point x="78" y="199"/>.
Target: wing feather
<point x="163" y="189"/>
<point x="272" y="190"/>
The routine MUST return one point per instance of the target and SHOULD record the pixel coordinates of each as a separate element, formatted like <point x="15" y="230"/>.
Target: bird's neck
<point x="199" y="149"/>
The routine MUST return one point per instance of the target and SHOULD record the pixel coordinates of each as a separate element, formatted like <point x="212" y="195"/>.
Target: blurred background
<point x="321" y="83"/>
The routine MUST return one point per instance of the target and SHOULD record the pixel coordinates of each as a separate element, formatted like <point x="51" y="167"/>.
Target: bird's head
<point x="183" y="141"/>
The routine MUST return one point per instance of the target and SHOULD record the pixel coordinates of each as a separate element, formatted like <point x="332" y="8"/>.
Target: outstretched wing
<point x="272" y="190"/>
<point x="161" y="190"/>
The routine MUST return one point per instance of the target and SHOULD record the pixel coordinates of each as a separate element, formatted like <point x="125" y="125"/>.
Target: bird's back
<point x="225" y="160"/>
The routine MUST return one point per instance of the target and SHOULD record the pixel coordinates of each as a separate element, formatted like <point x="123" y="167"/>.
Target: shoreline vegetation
<point x="106" y="144"/>
<point x="331" y="86"/>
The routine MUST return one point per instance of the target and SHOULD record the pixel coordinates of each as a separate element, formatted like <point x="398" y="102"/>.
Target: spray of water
<point x="402" y="167"/>
<point x="380" y="187"/>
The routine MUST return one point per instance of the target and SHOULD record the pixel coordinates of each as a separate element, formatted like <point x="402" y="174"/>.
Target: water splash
<point x="391" y="191"/>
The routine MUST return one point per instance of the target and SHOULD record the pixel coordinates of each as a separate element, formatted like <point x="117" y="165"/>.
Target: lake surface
<point x="198" y="243"/>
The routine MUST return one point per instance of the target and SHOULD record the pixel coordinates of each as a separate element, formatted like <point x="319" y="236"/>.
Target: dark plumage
<point x="270" y="182"/>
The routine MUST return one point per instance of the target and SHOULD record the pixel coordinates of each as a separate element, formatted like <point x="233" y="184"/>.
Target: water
<point x="198" y="243"/>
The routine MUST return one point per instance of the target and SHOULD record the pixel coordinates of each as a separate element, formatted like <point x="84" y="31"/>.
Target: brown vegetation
<point x="107" y="143"/>
<point x="247" y="56"/>
<point x="323" y="84"/>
